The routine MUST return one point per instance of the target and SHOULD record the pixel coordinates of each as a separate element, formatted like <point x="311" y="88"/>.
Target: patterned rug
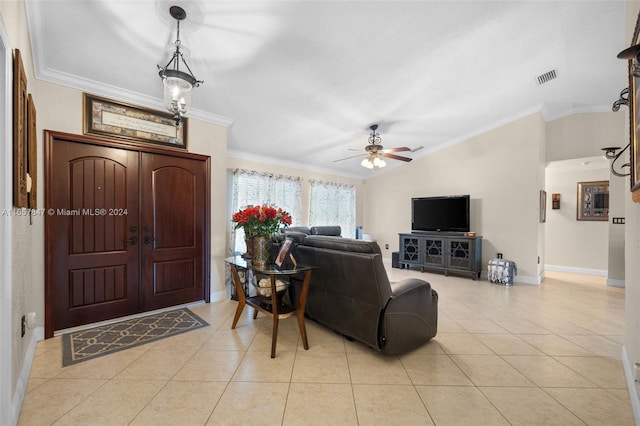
<point x="107" y="339"/>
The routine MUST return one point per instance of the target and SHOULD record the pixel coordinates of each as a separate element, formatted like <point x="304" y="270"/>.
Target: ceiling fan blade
<point x="347" y="158"/>
<point x="399" y="149"/>
<point x="397" y="157"/>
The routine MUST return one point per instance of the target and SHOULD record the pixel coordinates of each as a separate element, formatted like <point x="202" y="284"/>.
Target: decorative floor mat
<point x="103" y="340"/>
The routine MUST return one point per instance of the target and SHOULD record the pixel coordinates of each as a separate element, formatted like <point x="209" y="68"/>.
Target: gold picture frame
<point x="20" y="130"/>
<point x="593" y="200"/>
<point x="32" y="154"/>
<point x="122" y="121"/>
<point x="543" y="206"/>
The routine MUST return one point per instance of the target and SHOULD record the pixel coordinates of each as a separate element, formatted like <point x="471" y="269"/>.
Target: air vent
<point x="546" y="77"/>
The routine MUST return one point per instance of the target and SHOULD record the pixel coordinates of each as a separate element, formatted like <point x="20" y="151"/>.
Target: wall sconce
<point x="555" y="201"/>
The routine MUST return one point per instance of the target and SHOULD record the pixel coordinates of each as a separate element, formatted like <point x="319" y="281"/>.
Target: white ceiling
<point x="302" y="81"/>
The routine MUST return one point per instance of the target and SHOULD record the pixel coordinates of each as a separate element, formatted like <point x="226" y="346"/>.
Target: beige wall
<point x="572" y="245"/>
<point x="583" y="135"/>
<point x="632" y="266"/>
<point x="495" y="169"/>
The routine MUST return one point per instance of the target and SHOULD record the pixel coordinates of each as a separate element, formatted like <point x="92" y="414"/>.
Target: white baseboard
<point x="615" y="283"/>
<point x="631" y="385"/>
<point x="23" y="379"/>
<point x="219" y="295"/>
<point x="575" y="270"/>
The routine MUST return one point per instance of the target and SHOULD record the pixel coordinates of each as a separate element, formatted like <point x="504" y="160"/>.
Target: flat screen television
<point x="443" y="214"/>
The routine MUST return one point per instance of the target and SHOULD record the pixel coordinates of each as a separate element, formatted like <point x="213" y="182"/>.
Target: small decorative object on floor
<point x="501" y="271"/>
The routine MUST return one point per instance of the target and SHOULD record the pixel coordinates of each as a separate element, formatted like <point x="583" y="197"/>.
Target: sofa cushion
<point x="334" y="231"/>
<point x="342" y="244"/>
<point x="302" y="229"/>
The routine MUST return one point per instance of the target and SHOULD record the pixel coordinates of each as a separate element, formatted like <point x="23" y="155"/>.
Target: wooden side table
<point x="275" y="308"/>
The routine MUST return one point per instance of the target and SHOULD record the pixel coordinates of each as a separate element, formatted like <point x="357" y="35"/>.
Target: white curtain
<point x="333" y="204"/>
<point x="252" y="188"/>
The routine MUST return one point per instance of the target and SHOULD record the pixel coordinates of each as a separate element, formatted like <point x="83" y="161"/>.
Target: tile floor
<point x="521" y="355"/>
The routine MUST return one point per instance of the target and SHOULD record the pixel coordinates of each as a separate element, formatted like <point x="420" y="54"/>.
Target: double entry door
<point x="126" y="230"/>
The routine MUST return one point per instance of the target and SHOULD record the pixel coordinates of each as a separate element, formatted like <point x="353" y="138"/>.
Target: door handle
<point x="133" y="241"/>
<point x="147" y="239"/>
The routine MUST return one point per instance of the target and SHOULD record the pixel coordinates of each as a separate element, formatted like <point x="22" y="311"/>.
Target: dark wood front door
<point x="126" y="229"/>
<point x="93" y="215"/>
<point x="173" y="194"/>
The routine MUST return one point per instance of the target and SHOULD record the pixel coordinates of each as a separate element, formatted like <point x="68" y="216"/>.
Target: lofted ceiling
<point x="301" y="81"/>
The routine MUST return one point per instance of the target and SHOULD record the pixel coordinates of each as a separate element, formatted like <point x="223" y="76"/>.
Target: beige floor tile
<point x="553" y="345"/>
<point x="192" y="339"/>
<point x="529" y="406"/>
<point x="226" y="339"/>
<point x="275" y="391"/>
<point x="322" y="339"/>
<point x="183" y="403"/>
<point x="34" y="383"/>
<point x="260" y="367"/>
<point x="287" y="337"/>
<point x="507" y="344"/>
<point x="545" y="371"/>
<point x="461" y="343"/>
<point x="320" y="367"/>
<point x="597" y="345"/>
<point x="246" y="403"/>
<point x="521" y="326"/>
<point x="52" y="399"/>
<point x="210" y="366"/>
<point x="594" y="406"/>
<point x="157" y="364"/>
<point x="604" y="372"/>
<point x="490" y="370"/>
<point x="479" y="324"/>
<point x="320" y="404"/>
<point x="104" y="367"/>
<point x="433" y="370"/>
<point x="376" y="369"/>
<point x="430" y="348"/>
<point x="129" y="396"/>
<point x="459" y="406"/>
<point x="389" y="405"/>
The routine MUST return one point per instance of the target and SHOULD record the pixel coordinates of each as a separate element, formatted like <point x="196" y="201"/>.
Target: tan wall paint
<point x="583" y="135"/>
<point x="632" y="254"/>
<point x="495" y="169"/>
<point x="573" y="244"/>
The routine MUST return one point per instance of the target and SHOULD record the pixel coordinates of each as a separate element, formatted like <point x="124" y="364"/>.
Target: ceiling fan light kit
<point x="178" y="83"/>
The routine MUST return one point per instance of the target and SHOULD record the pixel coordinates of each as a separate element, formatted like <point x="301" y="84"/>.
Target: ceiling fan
<point x="375" y="151"/>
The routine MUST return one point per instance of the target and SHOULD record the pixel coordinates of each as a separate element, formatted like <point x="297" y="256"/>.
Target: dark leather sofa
<point x="351" y="294"/>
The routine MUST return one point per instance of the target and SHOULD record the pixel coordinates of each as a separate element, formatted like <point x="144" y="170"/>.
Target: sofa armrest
<point x="410" y="317"/>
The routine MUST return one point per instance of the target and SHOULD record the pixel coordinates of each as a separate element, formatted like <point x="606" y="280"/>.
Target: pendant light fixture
<point x="178" y="83"/>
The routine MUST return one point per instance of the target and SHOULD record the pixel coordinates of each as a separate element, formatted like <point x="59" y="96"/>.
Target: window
<point x="251" y="188"/>
<point x="333" y="204"/>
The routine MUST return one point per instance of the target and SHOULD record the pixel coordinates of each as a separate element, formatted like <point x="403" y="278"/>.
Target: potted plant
<point x="259" y="224"/>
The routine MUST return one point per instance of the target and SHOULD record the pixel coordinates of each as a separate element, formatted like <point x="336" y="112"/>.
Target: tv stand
<point x="447" y="252"/>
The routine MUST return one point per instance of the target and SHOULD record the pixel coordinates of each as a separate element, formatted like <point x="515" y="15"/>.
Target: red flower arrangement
<point x="261" y="221"/>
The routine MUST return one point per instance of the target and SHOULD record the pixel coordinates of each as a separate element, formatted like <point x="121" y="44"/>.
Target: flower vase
<point x="248" y="241"/>
<point x="261" y="253"/>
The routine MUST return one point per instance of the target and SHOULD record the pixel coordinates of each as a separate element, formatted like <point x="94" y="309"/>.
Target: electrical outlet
<point x="23" y="326"/>
<point x="386" y="246"/>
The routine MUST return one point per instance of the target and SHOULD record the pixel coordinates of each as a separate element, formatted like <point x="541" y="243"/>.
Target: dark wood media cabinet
<point x="442" y="252"/>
